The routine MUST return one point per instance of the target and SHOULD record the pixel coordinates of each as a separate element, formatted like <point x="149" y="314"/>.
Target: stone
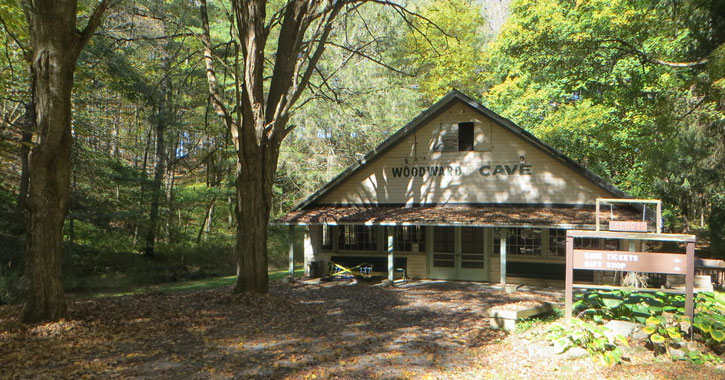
<point x="639" y="334"/>
<point x="575" y="353"/>
<point x="622" y="328"/>
<point x="386" y="283"/>
<point x="502" y="319"/>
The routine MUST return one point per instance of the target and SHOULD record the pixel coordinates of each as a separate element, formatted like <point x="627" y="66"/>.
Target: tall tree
<point x="56" y="43"/>
<point x="615" y="85"/>
<point x="292" y="39"/>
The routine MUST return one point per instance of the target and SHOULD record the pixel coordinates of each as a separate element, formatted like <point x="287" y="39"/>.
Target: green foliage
<point x="595" y="79"/>
<point x="12" y="251"/>
<point x="666" y="331"/>
<point x="447" y="54"/>
<point x="699" y="358"/>
<point x="91" y="270"/>
<point x="587" y="335"/>
<point x="528" y="323"/>
<point x="710" y="320"/>
<point x="626" y="305"/>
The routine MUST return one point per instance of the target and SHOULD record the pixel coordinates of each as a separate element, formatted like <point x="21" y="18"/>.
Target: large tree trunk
<point x="254" y="201"/>
<point x="56" y="45"/>
<point x="162" y="120"/>
<point x="258" y="123"/>
<point x="54" y="62"/>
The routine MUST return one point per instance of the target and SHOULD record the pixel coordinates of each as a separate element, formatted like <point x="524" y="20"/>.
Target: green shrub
<point x="589" y="336"/>
<point x="627" y="305"/>
<point x="709" y="321"/>
<point x="665" y="331"/>
<point x="12" y="250"/>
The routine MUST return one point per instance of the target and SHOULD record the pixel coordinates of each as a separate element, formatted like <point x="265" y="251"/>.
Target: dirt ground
<point x="336" y="330"/>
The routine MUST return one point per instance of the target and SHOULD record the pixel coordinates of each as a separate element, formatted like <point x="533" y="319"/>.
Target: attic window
<point x="465" y="137"/>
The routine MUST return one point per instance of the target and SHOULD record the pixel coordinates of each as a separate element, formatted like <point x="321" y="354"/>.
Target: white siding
<point x="384" y="180"/>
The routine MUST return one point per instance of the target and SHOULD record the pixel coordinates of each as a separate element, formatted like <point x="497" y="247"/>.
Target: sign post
<point x="649" y="262"/>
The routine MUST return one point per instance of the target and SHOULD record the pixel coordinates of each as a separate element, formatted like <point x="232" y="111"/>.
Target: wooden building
<point x="457" y="193"/>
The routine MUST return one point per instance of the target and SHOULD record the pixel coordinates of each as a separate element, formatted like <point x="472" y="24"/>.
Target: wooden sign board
<point x="625" y="261"/>
<point x="670" y="263"/>
<point x="626" y="225"/>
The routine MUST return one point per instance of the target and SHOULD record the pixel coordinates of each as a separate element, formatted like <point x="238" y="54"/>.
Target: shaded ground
<point x="298" y="331"/>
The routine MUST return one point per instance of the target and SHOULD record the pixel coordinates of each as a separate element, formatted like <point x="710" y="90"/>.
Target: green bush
<point x="627" y="305"/>
<point x="12" y="250"/>
<point x="665" y="331"/>
<point x="709" y="320"/>
<point x="589" y="336"/>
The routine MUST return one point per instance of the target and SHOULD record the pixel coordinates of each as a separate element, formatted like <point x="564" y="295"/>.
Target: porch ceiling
<point x="580" y="217"/>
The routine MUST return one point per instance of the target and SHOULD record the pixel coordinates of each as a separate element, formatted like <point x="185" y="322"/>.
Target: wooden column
<point x="690" y="281"/>
<point x="292" y="251"/>
<point x="569" y="280"/>
<point x="503" y="239"/>
<point x="391" y="259"/>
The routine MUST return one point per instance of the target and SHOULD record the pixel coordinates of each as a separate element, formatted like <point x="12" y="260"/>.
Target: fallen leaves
<point x="295" y="332"/>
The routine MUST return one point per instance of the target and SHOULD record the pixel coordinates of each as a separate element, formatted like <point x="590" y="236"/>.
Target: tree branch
<point x="647" y="58"/>
<point x="214" y="93"/>
<point x="14" y="37"/>
<point x="94" y="21"/>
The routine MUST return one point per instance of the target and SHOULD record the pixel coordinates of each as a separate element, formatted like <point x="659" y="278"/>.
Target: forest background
<point x="633" y="90"/>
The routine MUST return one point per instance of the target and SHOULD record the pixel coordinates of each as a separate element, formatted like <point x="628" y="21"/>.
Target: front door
<point x="472" y="259"/>
<point x="458" y="254"/>
<point x="444" y="262"/>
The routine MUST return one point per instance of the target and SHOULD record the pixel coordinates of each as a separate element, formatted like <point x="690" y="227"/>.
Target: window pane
<point x="472" y="264"/>
<point x="443" y="260"/>
<point x="444" y="239"/>
<point x="557" y="243"/>
<point x="408" y="238"/>
<point x="357" y="238"/>
<point x="326" y="237"/>
<point x="522" y="242"/>
<point x="472" y="239"/>
<point x="465" y="137"/>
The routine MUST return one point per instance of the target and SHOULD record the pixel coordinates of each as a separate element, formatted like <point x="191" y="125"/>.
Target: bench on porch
<point x="370" y="264"/>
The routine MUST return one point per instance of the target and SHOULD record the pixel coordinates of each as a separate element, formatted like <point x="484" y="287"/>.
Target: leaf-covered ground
<point x="329" y="331"/>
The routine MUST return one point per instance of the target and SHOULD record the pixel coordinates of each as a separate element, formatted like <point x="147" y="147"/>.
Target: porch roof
<point x="472" y="215"/>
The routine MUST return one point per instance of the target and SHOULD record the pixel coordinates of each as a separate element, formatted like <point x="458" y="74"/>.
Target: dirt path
<point x="332" y="330"/>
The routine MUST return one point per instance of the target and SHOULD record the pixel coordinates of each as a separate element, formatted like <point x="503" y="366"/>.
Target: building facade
<point x="458" y="193"/>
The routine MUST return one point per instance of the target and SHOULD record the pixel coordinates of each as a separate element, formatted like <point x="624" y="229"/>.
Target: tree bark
<point x="261" y="121"/>
<point x="25" y="141"/>
<point x="56" y="45"/>
<point x="161" y="119"/>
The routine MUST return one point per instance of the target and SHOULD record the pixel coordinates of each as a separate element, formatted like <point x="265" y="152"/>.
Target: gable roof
<point x="436" y="109"/>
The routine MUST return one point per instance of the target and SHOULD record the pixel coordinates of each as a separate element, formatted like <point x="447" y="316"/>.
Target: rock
<point x="640" y="335"/>
<point x="575" y="353"/>
<point x="622" y="328"/>
<point x="541" y="351"/>
<point x="677" y="354"/>
<point x="386" y="283"/>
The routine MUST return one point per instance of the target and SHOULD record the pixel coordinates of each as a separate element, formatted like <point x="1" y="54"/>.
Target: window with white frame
<point x="408" y="238"/>
<point x="357" y="238"/>
<point x="444" y="239"/>
<point x="557" y="243"/>
<point x="326" y="237"/>
<point x="520" y="242"/>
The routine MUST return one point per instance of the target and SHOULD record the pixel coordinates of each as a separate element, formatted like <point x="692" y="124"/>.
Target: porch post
<point x="311" y="246"/>
<point x="292" y="251"/>
<point x="391" y="259"/>
<point x="503" y="239"/>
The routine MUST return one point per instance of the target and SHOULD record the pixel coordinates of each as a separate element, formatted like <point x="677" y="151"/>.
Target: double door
<point x="458" y="253"/>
